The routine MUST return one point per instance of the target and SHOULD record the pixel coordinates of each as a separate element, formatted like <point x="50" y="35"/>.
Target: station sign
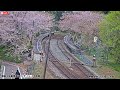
<point x="95" y="39"/>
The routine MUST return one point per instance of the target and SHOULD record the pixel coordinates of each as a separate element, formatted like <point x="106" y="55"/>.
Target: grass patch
<point x="61" y="33"/>
<point x="105" y="69"/>
<point x="30" y="46"/>
<point x="39" y="70"/>
<point x="107" y="72"/>
<point x="108" y="69"/>
<point x="114" y="66"/>
<point x="5" y="54"/>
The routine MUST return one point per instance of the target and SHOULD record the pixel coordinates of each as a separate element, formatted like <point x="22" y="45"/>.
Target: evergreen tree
<point x="110" y="34"/>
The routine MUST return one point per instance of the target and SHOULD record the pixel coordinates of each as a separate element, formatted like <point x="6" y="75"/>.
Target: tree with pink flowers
<point x="20" y="27"/>
<point x="84" y="23"/>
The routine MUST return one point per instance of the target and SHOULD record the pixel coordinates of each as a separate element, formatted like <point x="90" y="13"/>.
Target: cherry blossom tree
<point x="21" y="26"/>
<point x="35" y="21"/>
<point x="7" y="25"/>
<point x="81" y="22"/>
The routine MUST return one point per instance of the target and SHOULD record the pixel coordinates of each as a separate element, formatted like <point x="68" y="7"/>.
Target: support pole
<point x="47" y="56"/>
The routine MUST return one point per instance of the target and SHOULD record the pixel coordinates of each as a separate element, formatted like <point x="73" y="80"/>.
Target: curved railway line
<point x="81" y="70"/>
<point x="61" y="67"/>
<point x="78" y="72"/>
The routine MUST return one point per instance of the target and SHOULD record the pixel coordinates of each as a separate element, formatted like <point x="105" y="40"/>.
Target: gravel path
<point x="56" y="51"/>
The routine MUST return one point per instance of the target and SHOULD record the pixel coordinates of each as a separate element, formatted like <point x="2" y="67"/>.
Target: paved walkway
<point x="37" y="47"/>
<point x="9" y="69"/>
<point x="56" y="51"/>
<point x="84" y="59"/>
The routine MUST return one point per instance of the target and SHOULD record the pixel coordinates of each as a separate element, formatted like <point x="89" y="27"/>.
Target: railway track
<point x="60" y="66"/>
<point x="76" y="65"/>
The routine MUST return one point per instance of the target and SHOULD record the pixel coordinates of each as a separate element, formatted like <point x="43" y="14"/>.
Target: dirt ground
<point x="39" y="71"/>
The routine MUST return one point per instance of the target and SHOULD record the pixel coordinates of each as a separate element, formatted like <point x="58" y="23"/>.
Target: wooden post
<point x="94" y="61"/>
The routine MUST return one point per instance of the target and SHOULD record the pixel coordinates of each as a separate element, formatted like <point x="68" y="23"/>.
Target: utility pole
<point x="32" y="37"/>
<point x="47" y="55"/>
